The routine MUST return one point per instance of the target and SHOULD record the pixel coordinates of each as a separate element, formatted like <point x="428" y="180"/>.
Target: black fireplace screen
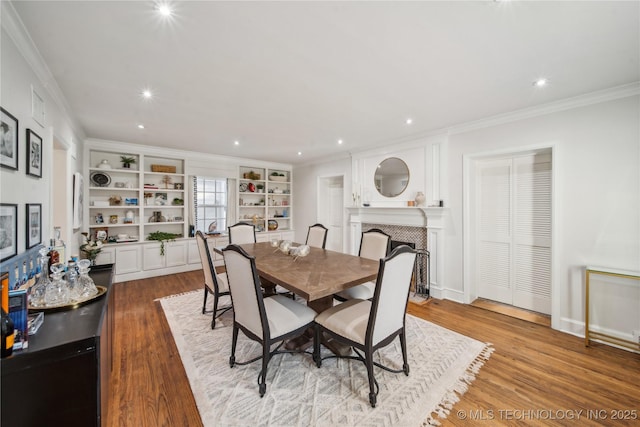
<point x="422" y="272"/>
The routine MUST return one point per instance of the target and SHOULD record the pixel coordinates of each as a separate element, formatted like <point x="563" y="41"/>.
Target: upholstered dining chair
<point x="374" y="244"/>
<point x="267" y="320"/>
<point x="317" y="236"/>
<point x="241" y="233"/>
<point x="370" y="325"/>
<point x="215" y="284"/>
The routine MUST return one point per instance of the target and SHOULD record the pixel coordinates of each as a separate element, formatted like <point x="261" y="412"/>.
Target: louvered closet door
<point x="513" y="223"/>
<point x="532" y="233"/>
<point x="493" y="254"/>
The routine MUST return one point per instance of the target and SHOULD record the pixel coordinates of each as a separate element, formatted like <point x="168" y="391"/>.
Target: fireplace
<point x="422" y="227"/>
<point x="416" y="238"/>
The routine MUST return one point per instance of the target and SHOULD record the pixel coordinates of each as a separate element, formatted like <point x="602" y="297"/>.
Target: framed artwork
<point x="8" y="230"/>
<point x="34" y="154"/>
<point x="9" y="140"/>
<point x="34" y="224"/>
<point x="78" y="199"/>
<point x="113" y="219"/>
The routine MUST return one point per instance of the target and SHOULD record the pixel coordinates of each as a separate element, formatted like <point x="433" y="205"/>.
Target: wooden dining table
<point x="315" y="277"/>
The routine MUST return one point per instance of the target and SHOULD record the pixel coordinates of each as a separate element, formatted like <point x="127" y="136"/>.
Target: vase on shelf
<point x="420" y="199"/>
<point x="157" y="217"/>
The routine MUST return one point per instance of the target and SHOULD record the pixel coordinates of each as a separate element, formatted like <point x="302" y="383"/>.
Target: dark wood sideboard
<point x="63" y="377"/>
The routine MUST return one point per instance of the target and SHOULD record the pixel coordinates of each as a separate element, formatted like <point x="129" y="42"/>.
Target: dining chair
<point x="317" y="236"/>
<point x="241" y="233"/>
<point x="374" y="244"/>
<point x="366" y="325"/>
<point x="214" y="283"/>
<point x="267" y="320"/>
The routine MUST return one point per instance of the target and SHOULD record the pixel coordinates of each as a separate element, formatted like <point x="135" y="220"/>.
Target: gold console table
<point x="588" y="334"/>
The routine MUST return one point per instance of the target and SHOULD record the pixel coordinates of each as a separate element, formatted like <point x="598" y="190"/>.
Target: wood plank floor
<point x="536" y="376"/>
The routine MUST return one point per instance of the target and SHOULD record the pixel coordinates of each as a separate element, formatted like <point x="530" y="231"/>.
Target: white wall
<point x="17" y="78"/>
<point x="305" y="191"/>
<point x="597" y="193"/>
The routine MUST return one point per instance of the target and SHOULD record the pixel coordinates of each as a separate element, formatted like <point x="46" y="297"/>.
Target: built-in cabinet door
<point x="106" y="256"/>
<point x="193" y="253"/>
<point x="128" y="259"/>
<point x="151" y="258"/>
<point x="175" y="253"/>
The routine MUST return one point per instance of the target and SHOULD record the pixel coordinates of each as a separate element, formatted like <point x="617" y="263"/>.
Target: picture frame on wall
<point x="34" y="224"/>
<point x="8" y="230"/>
<point x="8" y="140"/>
<point x="78" y="199"/>
<point x="34" y="154"/>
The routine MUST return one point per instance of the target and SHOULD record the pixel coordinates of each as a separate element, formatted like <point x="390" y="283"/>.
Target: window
<point x="210" y="204"/>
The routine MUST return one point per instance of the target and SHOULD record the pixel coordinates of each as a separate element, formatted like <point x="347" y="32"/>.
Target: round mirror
<point x="391" y="177"/>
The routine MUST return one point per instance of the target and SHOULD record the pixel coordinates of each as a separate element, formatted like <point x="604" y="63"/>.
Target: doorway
<point x="511" y="214"/>
<point x="331" y="210"/>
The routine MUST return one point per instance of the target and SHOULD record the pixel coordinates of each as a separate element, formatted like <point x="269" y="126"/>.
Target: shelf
<point x="163" y="223"/>
<point x="115" y="189"/>
<point x="114" y="170"/>
<point x="106" y="224"/>
<point x="115" y="207"/>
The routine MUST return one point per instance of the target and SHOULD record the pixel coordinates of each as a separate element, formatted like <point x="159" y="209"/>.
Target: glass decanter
<point x="72" y="282"/>
<point x="84" y="284"/>
<point x="57" y="293"/>
<point x="37" y="293"/>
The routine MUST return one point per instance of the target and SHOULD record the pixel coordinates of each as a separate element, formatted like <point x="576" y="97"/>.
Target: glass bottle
<point x="57" y="293"/>
<point x="71" y="276"/>
<point x="36" y="296"/>
<point x="84" y="283"/>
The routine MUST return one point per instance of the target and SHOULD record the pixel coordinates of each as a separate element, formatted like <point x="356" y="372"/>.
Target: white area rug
<point x="442" y="365"/>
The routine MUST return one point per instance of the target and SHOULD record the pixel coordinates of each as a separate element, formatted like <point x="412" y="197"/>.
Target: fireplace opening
<point x="421" y="273"/>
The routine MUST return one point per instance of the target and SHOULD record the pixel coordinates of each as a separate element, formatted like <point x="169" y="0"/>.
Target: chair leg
<point x="403" y="345"/>
<point x="369" y="363"/>
<point x="204" y="304"/>
<point x="234" y="340"/>
<point x="316" y="346"/>
<point x="215" y="310"/>
<point x="262" y="378"/>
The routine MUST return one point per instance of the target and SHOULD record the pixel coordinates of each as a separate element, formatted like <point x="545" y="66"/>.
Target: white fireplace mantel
<point x="430" y="217"/>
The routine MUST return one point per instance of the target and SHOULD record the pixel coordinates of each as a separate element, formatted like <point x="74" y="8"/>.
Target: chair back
<point x="317" y="236"/>
<point x="390" y="298"/>
<point x="375" y="244"/>
<point x="246" y="294"/>
<point x="208" y="269"/>
<point x="242" y="233"/>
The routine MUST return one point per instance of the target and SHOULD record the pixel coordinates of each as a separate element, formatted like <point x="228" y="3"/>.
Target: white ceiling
<point x="283" y="77"/>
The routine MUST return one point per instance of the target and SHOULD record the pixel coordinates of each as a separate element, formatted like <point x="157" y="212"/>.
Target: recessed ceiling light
<point x="140" y="126"/>
<point x="409" y="121"/>
<point x="165" y="10"/>
<point x="340" y="142"/>
<point x="147" y="94"/>
<point x="541" y="82"/>
<point x="299" y="153"/>
<point x="236" y="142"/>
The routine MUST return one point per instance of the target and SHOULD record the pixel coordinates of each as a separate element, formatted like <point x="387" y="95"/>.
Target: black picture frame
<point x="8" y="230"/>
<point x="33" y="225"/>
<point x="8" y="140"/>
<point x="34" y="154"/>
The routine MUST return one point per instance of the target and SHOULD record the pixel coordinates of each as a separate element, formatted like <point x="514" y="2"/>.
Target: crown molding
<point x="584" y="100"/>
<point x="13" y="25"/>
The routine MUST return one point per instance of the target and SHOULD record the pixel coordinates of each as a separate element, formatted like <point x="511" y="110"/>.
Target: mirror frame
<point x="376" y="175"/>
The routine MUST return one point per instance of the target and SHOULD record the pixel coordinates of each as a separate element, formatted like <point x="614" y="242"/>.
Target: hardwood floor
<point x="536" y="376"/>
